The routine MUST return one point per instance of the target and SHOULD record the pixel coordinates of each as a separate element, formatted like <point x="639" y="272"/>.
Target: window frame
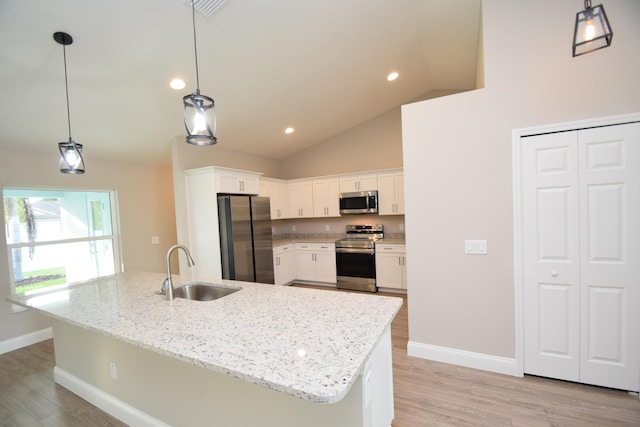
<point x="115" y="238"/>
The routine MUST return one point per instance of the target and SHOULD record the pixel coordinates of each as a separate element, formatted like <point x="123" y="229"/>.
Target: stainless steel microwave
<point x="359" y="202"/>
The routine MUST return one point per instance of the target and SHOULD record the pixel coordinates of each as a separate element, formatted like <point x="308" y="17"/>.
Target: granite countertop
<point x="291" y="240"/>
<point x="308" y="343"/>
<point x="392" y="241"/>
<point x="278" y="241"/>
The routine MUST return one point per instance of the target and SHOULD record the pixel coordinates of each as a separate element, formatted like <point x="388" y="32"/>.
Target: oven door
<point x="356" y="269"/>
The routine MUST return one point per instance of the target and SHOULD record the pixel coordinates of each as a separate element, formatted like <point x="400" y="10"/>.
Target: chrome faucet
<point x="167" y="286"/>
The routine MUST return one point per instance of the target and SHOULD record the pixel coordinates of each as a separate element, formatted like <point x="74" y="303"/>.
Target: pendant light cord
<point x="66" y="86"/>
<point x="195" y="47"/>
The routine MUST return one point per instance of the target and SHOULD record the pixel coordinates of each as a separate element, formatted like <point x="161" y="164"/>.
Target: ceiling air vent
<point x="206" y="7"/>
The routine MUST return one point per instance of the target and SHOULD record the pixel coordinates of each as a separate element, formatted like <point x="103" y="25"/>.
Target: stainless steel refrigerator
<point x="246" y="245"/>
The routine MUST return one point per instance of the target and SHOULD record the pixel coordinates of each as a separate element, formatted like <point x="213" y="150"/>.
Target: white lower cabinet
<point x="283" y="264"/>
<point x="391" y="266"/>
<point x="316" y="262"/>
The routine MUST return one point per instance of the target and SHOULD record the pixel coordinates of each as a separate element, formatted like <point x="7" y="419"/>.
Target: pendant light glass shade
<point x="71" y="160"/>
<point x="199" y="111"/>
<point x="592" y="30"/>
<point x="199" y="119"/>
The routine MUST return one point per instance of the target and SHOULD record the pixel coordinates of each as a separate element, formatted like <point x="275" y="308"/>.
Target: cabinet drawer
<point x="390" y="248"/>
<point x="317" y="247"/>
<point x="282" y="249"/>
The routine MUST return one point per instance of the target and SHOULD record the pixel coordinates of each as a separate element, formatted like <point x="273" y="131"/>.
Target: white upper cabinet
<point x="326" y="195"/>
<point x="300" y="198"/>
<point x="276" y="190"/>
<point x="391" y="193"/>
<point x="237" y="182"/>
<point x="351" y="183"/>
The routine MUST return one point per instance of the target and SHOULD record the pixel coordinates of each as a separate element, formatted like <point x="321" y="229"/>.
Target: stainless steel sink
<point x="202" y="291"/>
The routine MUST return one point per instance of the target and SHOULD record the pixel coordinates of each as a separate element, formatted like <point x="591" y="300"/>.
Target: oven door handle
<point x="355" y="251"/>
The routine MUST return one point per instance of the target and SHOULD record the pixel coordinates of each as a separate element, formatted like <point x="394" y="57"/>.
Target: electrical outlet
<point x="326" y="227"/>
<point x="113" y="370"/>
<point x="293" y="227"/>
<point x="401" y="226"/>
<point x="155" y="240"/>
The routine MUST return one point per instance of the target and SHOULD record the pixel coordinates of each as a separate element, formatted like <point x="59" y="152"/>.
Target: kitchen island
<point x="264" y="355"/>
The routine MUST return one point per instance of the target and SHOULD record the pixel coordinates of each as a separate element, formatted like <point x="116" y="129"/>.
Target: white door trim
<point x="516" y="159"/>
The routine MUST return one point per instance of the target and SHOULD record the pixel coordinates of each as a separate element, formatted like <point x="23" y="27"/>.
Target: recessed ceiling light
<point x="392" y="76"/>
<point x="177" y="84"/>
<point x="289" y="130"/>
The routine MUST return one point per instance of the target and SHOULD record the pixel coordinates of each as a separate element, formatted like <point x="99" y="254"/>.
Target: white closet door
<point x="610" y="256"/>
<point x="551" y="255"/>
<point x="581" y="255"/>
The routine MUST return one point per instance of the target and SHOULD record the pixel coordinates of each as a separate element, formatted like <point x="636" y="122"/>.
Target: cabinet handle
<point x="554" y="273"/>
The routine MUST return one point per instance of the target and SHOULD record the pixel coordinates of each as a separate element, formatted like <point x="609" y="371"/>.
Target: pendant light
<point x="592" y="30"/>
<point x="199" y="112"/>
<point x="71" y="160"/>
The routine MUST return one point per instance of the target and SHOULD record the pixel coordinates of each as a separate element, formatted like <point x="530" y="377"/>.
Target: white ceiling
<point x="316" y="65"/>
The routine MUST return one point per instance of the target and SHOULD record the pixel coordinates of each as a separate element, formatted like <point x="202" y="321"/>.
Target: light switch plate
<point x="475" y="247"/>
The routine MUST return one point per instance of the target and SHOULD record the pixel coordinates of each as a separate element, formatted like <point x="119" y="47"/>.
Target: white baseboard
<point x="25" y="340"/>
<point x="108" y="403"/>
<point x="485" y="362"/>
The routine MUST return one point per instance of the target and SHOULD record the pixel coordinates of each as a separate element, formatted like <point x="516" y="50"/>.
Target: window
<point x="58" y="237"/>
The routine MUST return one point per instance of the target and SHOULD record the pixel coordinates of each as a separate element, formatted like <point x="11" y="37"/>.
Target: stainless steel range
<point x="356" y="258"/>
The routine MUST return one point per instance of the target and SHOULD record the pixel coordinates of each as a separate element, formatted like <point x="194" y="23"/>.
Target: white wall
<point x="373" y="145"/>
<point x="457" y="162"/>
<point x="145" y="199"/>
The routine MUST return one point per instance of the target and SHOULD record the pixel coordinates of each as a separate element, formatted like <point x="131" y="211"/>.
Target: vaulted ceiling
<point x="317" y="66"/>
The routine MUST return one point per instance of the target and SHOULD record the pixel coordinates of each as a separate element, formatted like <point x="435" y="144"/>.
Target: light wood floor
<point x="429" y="393"/>
<point x="426" y="394"/>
